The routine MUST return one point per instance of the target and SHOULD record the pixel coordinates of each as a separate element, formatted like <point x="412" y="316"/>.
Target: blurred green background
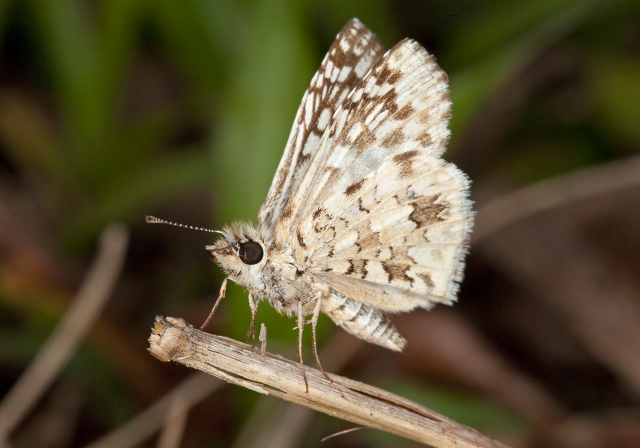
<point x="113" y="110"/>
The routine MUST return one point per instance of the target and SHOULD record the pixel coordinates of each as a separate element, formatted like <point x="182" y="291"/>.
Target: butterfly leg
<point x="221" y="294"/>
<point x="314" y="324"/>
<point x="301" y="321"/>
<point x="252" y="328"/>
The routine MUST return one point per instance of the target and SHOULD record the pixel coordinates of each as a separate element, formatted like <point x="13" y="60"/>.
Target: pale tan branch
<point x="238" y="363"/>
<point x="285" y="428"/>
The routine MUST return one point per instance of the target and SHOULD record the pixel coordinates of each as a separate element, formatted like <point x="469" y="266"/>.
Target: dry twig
<point x="286" y="427"/>
<point x="238" y="363"/>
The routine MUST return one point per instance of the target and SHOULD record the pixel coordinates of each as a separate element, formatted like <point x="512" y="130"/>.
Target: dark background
<point x="110" y="111"/>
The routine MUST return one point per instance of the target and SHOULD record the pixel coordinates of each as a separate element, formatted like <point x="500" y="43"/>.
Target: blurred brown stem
<point x="555" y="192"/>
<point x="598" y="304"/>
<point x="86" y="307"/>
<point x="238" y="363"/>
<point x="188" y="393"/>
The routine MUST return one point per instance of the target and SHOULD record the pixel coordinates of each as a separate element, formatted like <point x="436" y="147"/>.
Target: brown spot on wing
<point x="361" y="207"/>
<point x="286" y="214"/>
<point x="387" y="74"/>
<point x="369" y="239"/>
<point x="426" y="278"/>
<point x="405" y="156"/>
<point x="358" y="267"/>
<point x="354" y="187"/>
<point x="301" y="239"/>
<point x="405" y="160"/>
<point x="396" y="271"/>
<point x="404" y="113"/>
<point x="426" y="210"/>
<point x="395" y="138"/>
<point x="424" y="138"/>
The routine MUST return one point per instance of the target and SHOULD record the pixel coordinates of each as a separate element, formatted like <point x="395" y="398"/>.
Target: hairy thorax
<point x="275" y="277"/>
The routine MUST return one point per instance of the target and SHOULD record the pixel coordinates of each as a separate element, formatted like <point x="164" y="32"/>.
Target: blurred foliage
<point x="113" y="110"/>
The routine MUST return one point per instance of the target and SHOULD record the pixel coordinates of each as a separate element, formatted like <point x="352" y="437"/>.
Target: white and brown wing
<point x="352" y="54"/>
<point x="380" y="217"/>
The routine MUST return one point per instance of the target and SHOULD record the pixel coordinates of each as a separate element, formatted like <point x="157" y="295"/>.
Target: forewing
<point x="381" y="217"/>
<point x="352" y="54"/>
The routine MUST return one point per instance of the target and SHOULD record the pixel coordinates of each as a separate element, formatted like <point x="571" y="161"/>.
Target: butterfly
<point x="363" y="218"/>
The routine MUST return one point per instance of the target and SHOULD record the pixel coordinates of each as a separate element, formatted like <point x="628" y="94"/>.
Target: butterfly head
<point x="241" y="253"/>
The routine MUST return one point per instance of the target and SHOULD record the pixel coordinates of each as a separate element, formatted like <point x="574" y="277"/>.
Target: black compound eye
<point x="250" y="252"/>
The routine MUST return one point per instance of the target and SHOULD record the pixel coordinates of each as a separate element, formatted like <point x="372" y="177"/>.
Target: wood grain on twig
<point x="238" y="363"/>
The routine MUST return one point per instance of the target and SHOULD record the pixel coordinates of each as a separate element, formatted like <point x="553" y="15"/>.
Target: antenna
<point x="153" y="220"/>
